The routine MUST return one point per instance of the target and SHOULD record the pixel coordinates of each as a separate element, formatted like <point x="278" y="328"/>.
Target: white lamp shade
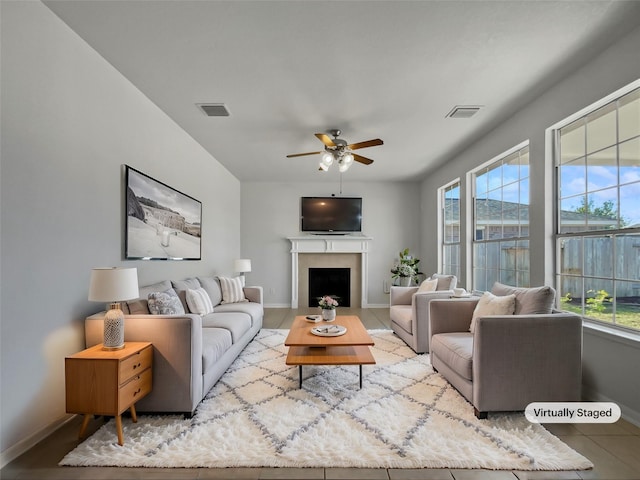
<point x="242" y="265"/>
<point x="113" y="284"/>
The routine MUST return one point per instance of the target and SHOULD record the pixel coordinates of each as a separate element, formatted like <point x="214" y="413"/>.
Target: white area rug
<point x="405" y="416"/>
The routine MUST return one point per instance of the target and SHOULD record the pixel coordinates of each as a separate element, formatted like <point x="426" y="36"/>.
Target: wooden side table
<point x="101" y="382"/>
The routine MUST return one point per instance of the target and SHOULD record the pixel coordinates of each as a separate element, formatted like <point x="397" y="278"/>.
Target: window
<point x="597" y="158"/>
<point x="450" y="229"/>
<point x="501" y="220"/>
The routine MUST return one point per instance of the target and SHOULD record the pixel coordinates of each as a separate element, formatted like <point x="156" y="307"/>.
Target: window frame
<point x="442" y="242"/>
<point x="472" y="223"/>
<point x="560" y="237"/>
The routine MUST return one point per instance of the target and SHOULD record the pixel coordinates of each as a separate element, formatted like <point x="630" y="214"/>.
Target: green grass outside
<point x="627" y="315"/>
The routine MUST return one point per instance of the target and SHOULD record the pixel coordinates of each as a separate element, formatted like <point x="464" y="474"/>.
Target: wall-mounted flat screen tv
<point x="331" y="214"/>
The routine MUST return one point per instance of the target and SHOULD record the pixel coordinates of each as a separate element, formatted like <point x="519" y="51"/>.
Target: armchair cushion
<point x="490" y="304"/>
<point x="429" y="285"/>
<point x="445" y="282"/>
<point x="456" y="350"/>
<point x="403" y="316"/>
<point x="529" y="301"/>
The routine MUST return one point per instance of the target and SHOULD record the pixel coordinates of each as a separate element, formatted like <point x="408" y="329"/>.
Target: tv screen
<point x="331" y="214"/>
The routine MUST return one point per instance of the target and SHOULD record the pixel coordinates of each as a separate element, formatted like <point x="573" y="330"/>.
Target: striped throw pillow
<point x="232" y="291"/>
<point x="199" y="301"/>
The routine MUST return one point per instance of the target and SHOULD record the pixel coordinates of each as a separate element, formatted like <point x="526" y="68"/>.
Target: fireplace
<point x="343" y="252"/>
<point x="335" y="282"/>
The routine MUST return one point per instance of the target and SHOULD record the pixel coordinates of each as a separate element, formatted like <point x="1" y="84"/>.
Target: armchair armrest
<point x="451" y="315"/>
<point x="177" y="357"/>
<point x="401" y="295"/>
<point x="518" y="359"/>
<point x="254" y="294"/>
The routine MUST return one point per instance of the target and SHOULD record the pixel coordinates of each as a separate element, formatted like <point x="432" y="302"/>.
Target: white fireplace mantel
<point x="329" y="244"/>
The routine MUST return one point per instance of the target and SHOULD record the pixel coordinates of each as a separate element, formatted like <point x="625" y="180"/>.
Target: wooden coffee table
<point x="352" y="348"/>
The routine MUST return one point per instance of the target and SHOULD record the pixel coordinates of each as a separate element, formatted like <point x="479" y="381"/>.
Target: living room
<point x="71" y="120"/>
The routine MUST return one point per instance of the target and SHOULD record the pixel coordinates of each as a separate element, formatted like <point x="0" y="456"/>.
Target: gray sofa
<point x="191" y="351"/>
<point x="508" y="361"/>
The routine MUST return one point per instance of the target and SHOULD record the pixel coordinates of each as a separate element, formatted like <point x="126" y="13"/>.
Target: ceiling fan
<point x="338" y="150"/>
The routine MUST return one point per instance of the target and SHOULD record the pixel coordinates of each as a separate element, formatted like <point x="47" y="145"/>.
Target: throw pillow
<point x="165" y="303"/>
<point x="445" y="282"/>
<point x="428" y="286"/>
<point x="490" y="304"/>
<point x="198" y="301"/>
<point x="529" y="301"/>
<point x="232" y="291"/>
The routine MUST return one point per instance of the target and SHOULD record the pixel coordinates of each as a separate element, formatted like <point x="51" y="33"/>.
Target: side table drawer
<point x="135" y="364"/>
<point x="134" y="390"/>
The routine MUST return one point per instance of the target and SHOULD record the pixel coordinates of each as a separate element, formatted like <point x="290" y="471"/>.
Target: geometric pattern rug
<point x="405" y="416"/>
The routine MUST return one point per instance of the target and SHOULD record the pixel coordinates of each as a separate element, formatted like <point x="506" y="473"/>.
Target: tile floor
<point x="614" y="449"/>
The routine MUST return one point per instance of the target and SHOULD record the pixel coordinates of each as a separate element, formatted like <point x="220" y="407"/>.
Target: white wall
<point x="69" y="123"/>
<point x="609" y="369"/>
<point x="270" y="212"/>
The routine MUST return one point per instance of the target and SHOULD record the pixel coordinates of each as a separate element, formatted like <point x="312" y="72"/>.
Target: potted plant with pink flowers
<point x="328" y="305"/>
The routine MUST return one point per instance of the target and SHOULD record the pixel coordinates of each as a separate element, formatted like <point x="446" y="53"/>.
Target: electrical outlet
<point x="385" y="286"/>
<point x="272" y="290"/>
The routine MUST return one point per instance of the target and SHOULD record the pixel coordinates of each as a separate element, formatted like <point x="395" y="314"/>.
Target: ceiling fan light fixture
<point x="348" y="158"/>
<point x="326" y="158"/>
<point x="343" y="166"/>
<point x="323" y="166"/>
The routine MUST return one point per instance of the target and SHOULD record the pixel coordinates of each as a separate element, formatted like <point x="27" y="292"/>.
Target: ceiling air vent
<point x="463" y="111"/>
<point x="214" y="109"/>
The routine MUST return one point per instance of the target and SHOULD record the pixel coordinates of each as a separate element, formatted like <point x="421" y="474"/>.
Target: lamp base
<point x="113" y="336"/>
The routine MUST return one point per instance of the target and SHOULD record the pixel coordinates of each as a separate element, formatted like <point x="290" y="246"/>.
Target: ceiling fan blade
<point x="325" y="139"/>
<point x="369" y="143"/>
<point x="302" y="154"/>
<point x="361" y="159"/>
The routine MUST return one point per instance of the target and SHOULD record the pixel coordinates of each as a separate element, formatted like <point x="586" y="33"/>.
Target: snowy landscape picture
<point x="162" y="223"/>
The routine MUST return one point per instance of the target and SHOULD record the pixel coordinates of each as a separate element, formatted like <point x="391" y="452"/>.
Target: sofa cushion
<point x="236" y="323"/>
<point x="212" y="286"/>
<point x="139" y="305"/>
<point x="165" y="303"/>
<point x="490" y="304"/>
<point x="456" y="350"/>
<point x="198" y="301"/>
<point x="401" y="315"/>
<point x="215" y="342"/>
<point x="254" y="310"/>
<point x="445" y="282"/>
<point x="181" y="287"/>
<point x="529" y="301"/>
<point x="429" y="285"/>
<point x="232" y="290"/>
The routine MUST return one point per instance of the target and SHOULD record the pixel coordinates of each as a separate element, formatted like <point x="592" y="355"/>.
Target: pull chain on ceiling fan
<point x="337" y="150"/>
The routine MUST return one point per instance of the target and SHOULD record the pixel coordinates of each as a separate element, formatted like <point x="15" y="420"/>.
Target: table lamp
<point x="113" y="285"/>
<point x="242" y="265"/>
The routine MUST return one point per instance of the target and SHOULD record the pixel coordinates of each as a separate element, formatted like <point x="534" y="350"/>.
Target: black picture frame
<point x="161" y="223"/>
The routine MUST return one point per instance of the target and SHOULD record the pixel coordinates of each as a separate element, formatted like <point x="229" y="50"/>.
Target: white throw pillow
<point x="199" y="301"/>
<point x="490" y="304"/>
<point x="428" y="285"/>
<point x="232" y="291"/>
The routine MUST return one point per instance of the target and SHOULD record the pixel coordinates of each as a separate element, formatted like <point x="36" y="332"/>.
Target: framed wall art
<point x="161" y="222"/>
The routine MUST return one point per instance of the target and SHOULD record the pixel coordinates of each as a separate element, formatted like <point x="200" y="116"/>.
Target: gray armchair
<point x="510" y="360"/>
<point x="409" y="311"/>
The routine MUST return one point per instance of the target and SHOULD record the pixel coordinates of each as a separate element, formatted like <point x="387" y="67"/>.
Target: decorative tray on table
<point x="329" y="331"/>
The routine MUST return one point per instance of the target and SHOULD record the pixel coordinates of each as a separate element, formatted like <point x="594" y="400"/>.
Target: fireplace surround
<point x="329" y="251"/>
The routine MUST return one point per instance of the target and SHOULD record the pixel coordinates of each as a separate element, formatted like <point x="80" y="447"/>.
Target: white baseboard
<point x="628" y="413"/>
<point x="277" y="305"/>
<point x="22" y="446"/>
<point x="377" y="305"/>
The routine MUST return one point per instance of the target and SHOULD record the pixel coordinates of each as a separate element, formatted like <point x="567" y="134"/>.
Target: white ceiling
<point x="374" y="69"/>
